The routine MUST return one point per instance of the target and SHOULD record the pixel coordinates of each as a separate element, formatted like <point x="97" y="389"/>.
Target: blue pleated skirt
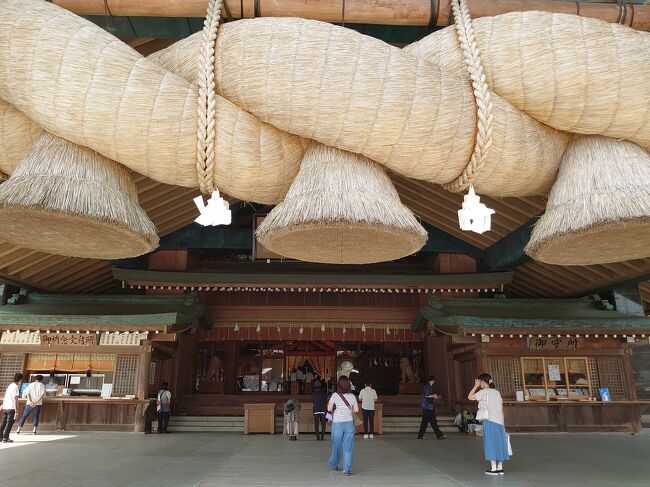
<point x="495" y="442"/>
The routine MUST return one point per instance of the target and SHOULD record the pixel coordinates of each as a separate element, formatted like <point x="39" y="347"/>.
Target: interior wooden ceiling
<point x="644" y="290"/>
<point x="171" y="208"/>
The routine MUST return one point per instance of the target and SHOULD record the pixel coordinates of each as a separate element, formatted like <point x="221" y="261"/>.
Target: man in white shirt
<point x="300" y="377"/>
<point x="368" y="396"/>
<point x="9" y="407"/>
<point x="34" y="394"/>
<point x="309" y="378"/>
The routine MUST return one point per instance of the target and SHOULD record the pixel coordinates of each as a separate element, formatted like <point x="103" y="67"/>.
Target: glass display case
<point x="556" y="378"/>
<point x="82" y="385"/>
<point x="261" y="368"/>
<point x="74" y="384"/>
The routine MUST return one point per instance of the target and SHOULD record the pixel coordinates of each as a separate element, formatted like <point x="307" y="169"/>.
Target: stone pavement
<point x="231" y="459"/>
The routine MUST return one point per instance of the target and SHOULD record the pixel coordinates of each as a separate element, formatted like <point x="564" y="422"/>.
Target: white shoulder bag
<point x="482" y="414"/>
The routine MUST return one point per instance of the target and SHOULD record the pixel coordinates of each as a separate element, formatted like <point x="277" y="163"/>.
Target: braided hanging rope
<point x="472" y="55"/>
<point x="207" y="106"/>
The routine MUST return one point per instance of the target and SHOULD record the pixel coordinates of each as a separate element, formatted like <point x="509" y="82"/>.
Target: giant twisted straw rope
<point x="411" y="110"/>
<point x="472" y="56"/>
<point x="207" y="106"/>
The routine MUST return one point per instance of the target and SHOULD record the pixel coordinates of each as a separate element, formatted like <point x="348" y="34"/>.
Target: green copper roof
<point x="127" y="310"/>
<point x="538" y="314"/>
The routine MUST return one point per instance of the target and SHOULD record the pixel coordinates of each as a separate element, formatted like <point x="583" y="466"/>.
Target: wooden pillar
<point x="185" y="365"/>
<point x="142" y="385"/>
<point x="61" y="416"/>
<point x="481" y="358"/>
<point x="630" y="383"/>
<point x="230" y="368"/>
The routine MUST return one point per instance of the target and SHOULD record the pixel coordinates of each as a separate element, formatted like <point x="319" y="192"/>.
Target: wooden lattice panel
<point x="10" y="364"/>
<point x="592" y="365"/>
<point x="467" y="374"/>
<point x="506" y="373"/>
<point x="126" y="370"/>
<point x="611" y="374"/>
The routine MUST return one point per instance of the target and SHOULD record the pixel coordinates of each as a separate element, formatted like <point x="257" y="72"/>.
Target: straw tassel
<point x="599" y="208"/>
<point x="62" y="189"/>
<point x="343" y="209"/>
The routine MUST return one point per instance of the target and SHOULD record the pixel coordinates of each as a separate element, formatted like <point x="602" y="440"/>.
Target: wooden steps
<point x="233" y="405"/>
<point x="222" y="424"/>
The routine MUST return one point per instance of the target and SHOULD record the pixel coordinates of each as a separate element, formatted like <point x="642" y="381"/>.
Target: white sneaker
<point x="365" y="437"/>
<point x="371" y="436"/>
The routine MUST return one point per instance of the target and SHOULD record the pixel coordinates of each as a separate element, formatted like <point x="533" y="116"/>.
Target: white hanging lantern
<point x="474" y="215"/>
<point x="216" y="212"/>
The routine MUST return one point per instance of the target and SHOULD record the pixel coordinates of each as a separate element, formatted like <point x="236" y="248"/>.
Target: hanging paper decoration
<point x="236" y="328"/>
<point x="216" y="212"/>
<point x="258" y="329"/>
<point x="474" y="216"/>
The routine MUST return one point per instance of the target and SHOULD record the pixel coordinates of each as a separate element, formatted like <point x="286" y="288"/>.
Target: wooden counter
<point x="574" y="416"/>
<point x="89" y="414"/>
<point x="569" y="416"/>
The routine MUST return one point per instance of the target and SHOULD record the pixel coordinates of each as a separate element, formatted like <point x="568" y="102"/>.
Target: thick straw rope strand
<point x="207" y="106"/>
<point x="472" y="55"/>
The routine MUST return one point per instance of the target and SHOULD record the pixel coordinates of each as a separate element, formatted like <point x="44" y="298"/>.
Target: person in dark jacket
<point x="429" y="411"/>
<point x="319" y="402"/>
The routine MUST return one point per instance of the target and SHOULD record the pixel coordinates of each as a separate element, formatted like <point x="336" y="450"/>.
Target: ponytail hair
<point x="487" y="378"/>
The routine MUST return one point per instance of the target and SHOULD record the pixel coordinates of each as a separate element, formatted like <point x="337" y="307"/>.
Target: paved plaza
<point x="229" y="459"/>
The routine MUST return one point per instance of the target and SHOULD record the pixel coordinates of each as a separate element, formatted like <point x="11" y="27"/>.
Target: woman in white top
<point x="495" y="438"/>
<point x="341" y="405"/>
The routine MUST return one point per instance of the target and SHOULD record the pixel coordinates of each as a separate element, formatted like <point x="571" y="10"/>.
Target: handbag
<point x="355" y="417"/>
<point x="329" y="417"/>
<point x="509" y="445"/>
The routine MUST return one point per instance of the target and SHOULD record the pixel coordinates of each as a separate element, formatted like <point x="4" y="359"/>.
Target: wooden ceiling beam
<point x="91" y="280"/>
<point x="533" y="272"/>
<point x="62" y="265"/>
<point x="73" y="271"/>
<point x="529" y="288"/>
<point x="158" y="193"/>
<point x="54" y="261"/>
<point x="75" y="278"/>
<point x="20" y="254"/>
<point x="26" y="263"/>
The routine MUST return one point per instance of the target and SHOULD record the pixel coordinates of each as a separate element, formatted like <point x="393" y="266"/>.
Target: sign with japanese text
<point x="554" y="343"/>
<point x="69" y="339"/>
<point x="20" y="338"/>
